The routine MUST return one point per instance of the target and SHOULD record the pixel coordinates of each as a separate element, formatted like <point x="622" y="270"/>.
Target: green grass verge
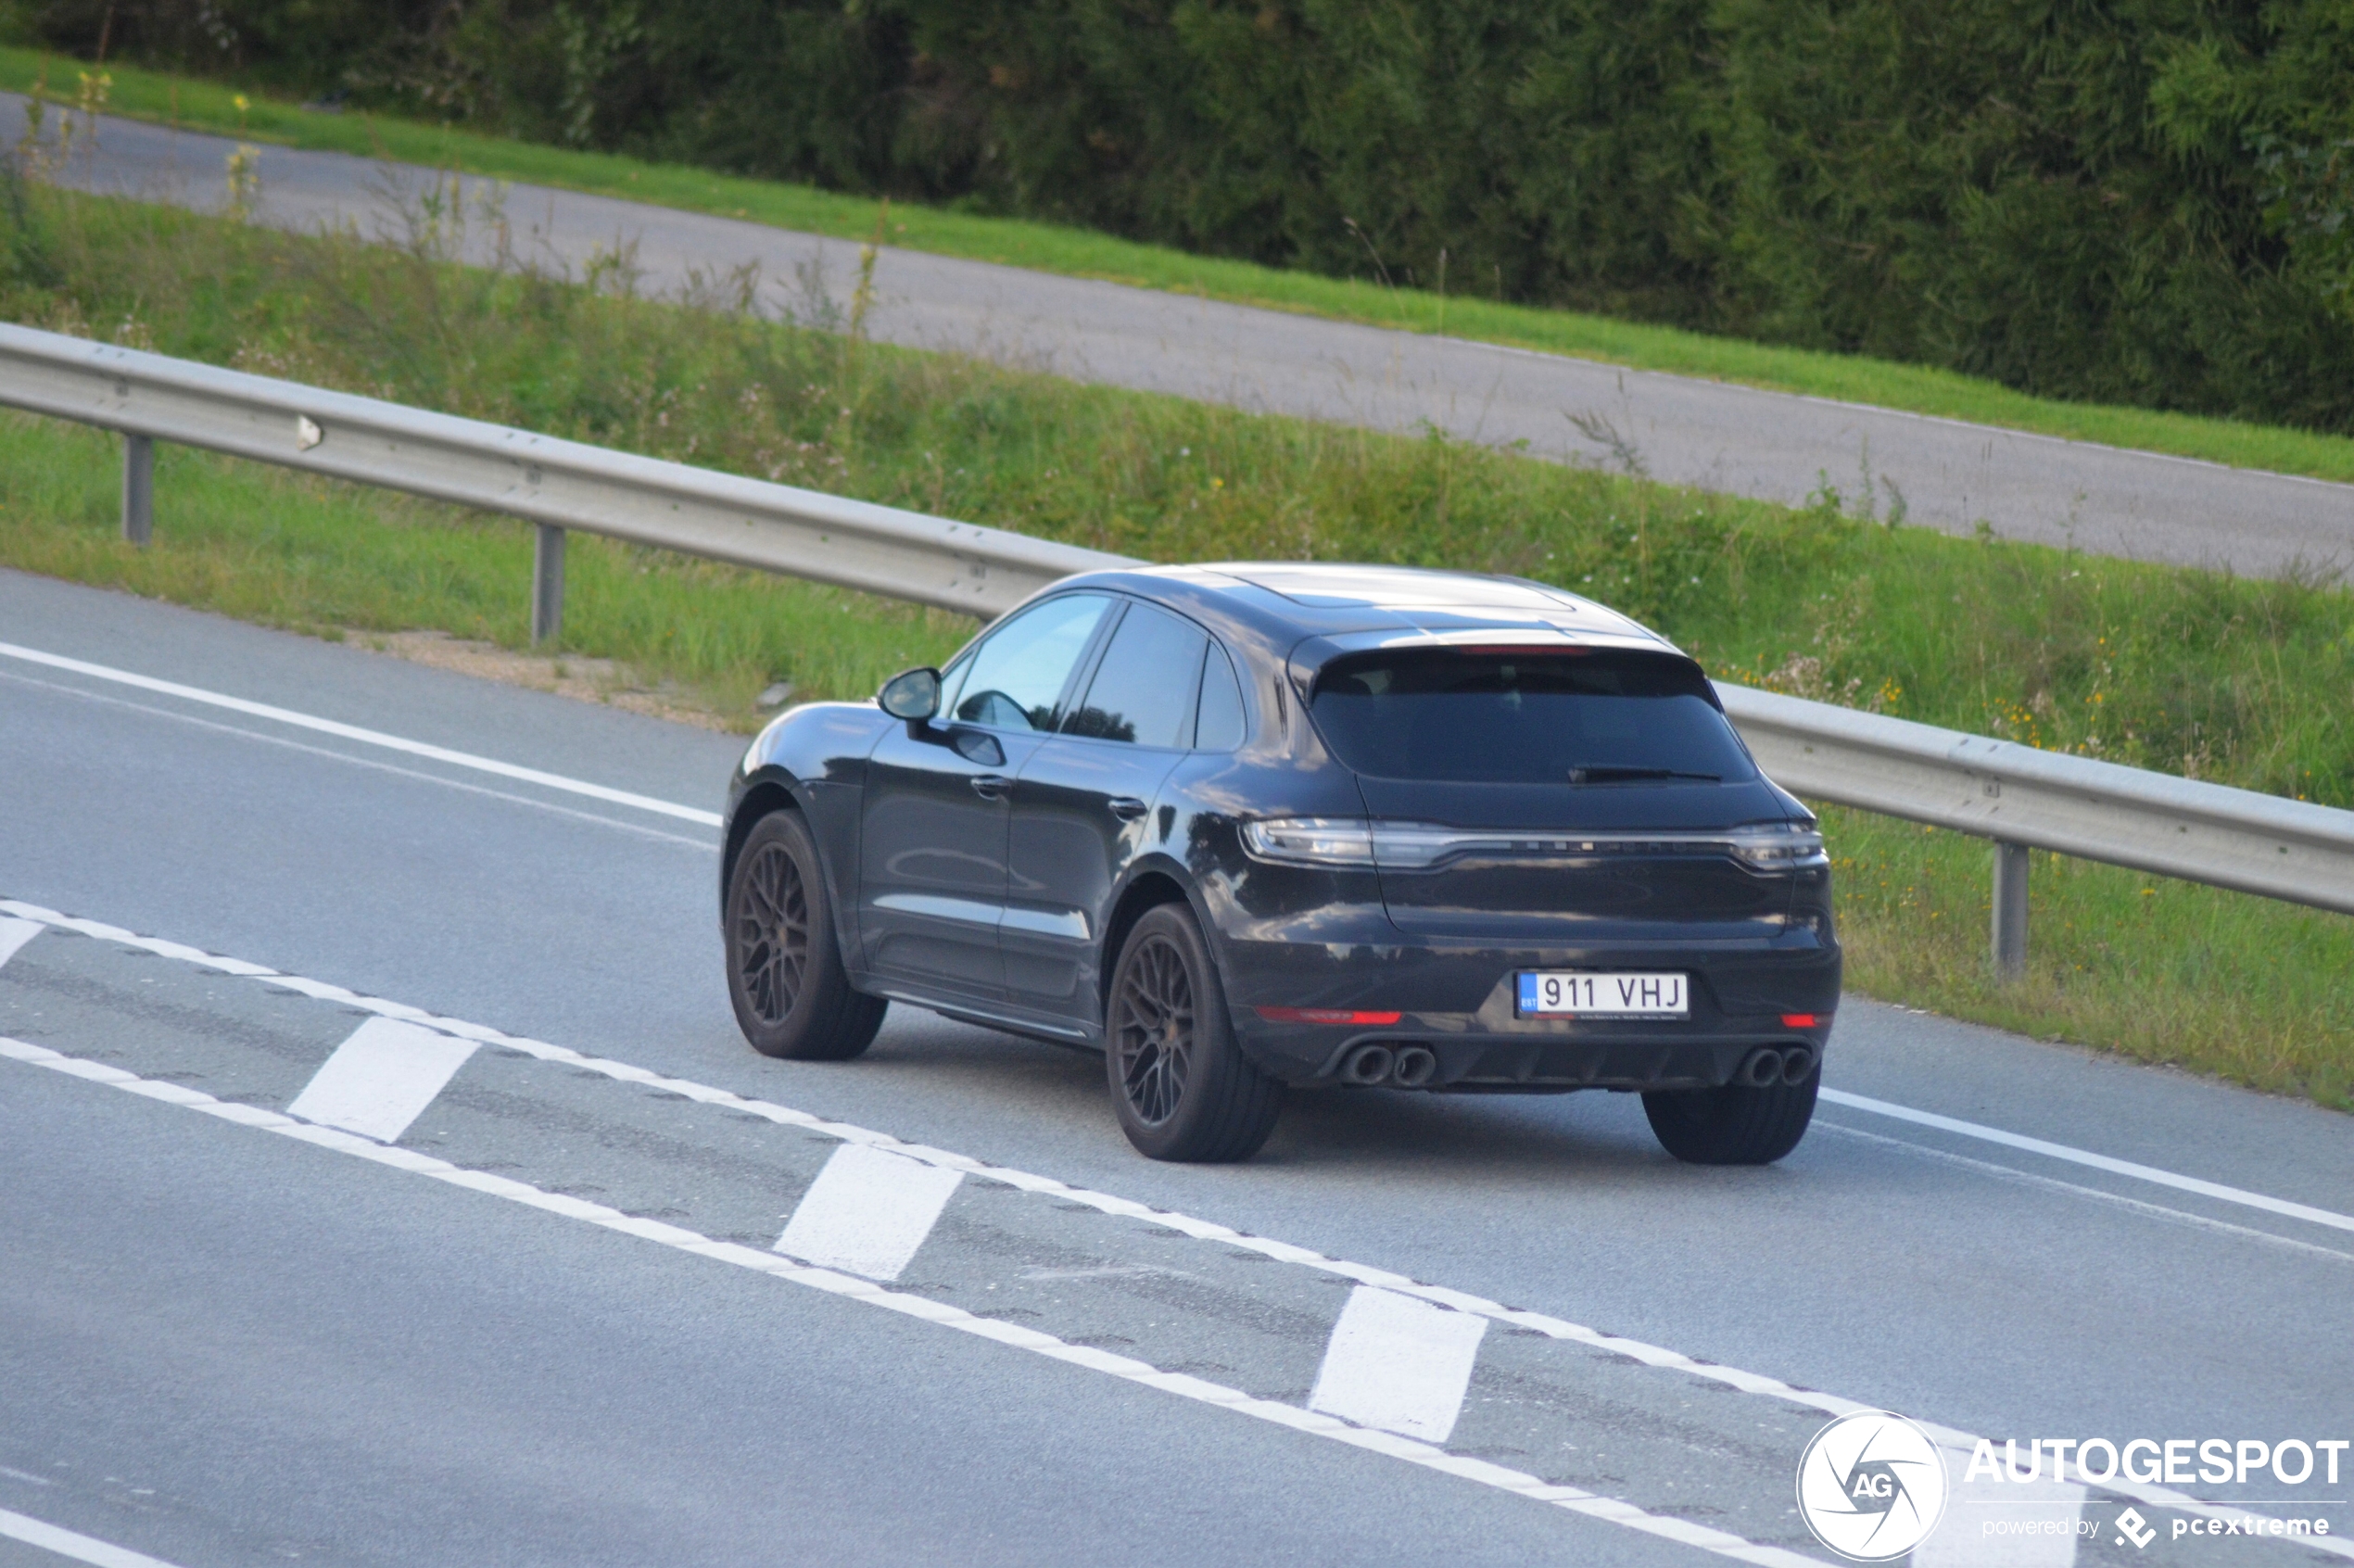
<point x="2143" y="965"/>
<point x="331" y="560"/>
<point x="2192" y="671"/>
<point x="210" y="105"/>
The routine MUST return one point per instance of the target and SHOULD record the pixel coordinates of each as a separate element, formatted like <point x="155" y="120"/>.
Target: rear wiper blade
<point x="1605" y="773"/>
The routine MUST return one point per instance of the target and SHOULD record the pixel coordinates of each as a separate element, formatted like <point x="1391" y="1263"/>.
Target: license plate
<point x="1565" y="993"/>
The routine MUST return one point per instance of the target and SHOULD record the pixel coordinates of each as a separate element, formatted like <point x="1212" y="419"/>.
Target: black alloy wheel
<point x="1179" y="1083"/>
<point x="1155" y="1030"/>
<point x="772" y="933"/>
<point x="785" y="974"/>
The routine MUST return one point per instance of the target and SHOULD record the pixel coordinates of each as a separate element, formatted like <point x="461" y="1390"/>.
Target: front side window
<point x="1477" y="715"/>
<point x="1016" y="677"/>
<point x="1143" y="690"/>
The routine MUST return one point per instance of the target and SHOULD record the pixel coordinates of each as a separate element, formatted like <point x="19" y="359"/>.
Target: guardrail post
<point x="547" y="584"/>
<point x="2010" y="910"/>
<point x="138" y="488"/>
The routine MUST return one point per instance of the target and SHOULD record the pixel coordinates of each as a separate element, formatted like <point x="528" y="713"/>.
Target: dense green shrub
<point x="2142" y="201"/>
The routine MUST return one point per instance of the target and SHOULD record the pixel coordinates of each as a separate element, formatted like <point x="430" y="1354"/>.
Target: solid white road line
<point x="381" y="1080"/>
<point x="867" y="1212"/>
<point x="2159" y="1211"/>
<point x="1398" y="1363"/>
<point x="1184" y="1224"/>
<point x="349" y="759"/>
<point x="15" y="933"/>
<point x="2097" y="1161"/>
<point x="833" y="1282"/>
<point x="365" y="736"/>
<point x="2005" y="1524"/>
<point x="65" y="1543"/>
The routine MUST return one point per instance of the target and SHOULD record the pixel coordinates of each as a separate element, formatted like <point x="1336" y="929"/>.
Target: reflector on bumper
<point x="1325" y="1016"/>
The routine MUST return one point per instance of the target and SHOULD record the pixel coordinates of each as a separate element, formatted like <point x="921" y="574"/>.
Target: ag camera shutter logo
<point x="1871" y="1485"/>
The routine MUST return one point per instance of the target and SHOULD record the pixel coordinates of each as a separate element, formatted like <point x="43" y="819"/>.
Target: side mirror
<point x="913" y="695"/>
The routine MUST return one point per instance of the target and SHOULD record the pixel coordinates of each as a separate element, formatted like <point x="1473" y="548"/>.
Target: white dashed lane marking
<point x="834" y="1282"/>
<point x="868" y="1212"/>
<point x="1317" y="1423"/>
<point x="382" y="1079"/>
<point x="1398" y="1363"/>
<point x="15" y="933"/>
<point x="67" y="1543"/>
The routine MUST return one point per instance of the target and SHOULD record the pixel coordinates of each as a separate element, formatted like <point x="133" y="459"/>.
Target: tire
<point x="785" y="976"/>
<point x="1735" y="1125"/>
<point x="1179" y="1084"/>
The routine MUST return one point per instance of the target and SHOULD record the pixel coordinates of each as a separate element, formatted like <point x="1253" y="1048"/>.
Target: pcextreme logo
<point x="1871" y="1486"/>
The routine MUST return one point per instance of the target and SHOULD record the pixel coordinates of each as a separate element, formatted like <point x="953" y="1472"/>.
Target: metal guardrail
<point x="556" y="484"/>
<point x="2018" y="796"/>
<point x="2025" y="799"/>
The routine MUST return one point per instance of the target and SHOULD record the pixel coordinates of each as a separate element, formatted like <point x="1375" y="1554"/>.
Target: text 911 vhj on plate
<point x="1561" y="993"/>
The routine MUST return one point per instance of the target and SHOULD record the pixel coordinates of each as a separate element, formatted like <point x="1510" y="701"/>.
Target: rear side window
<point x="1481" y="716"/>
<point x="1220" y="725"/>
<point x="1143" y="690"/>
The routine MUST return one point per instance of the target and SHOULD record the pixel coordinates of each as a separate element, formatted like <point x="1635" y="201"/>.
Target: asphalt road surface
<point x="1949" y="475"/>
<point x="385" y="1181"/>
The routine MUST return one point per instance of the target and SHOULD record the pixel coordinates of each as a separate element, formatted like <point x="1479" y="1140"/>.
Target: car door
<point x="932" y="821"/>
<point x="1082" y="803"/>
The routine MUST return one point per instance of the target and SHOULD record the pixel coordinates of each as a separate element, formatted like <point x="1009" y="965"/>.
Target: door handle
<point x="1127" y="807"/>
<point x="991" y="786"/>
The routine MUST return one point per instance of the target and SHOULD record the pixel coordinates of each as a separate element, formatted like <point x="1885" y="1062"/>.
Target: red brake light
<point x="1325" y="1016"/>
<point x="1798" y="1020"/>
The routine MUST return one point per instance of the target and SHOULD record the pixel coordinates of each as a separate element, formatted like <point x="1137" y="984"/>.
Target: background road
<point x="222" y="1348"/>
<point x="1778" y="446"/>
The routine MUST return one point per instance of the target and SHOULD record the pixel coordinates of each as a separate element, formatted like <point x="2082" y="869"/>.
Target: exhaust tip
<point x="1762" y="1067"/>
<point x="1417" y="1065"/>
<point x="1368" y="1064"/>
<point x="1797" y="1063"/>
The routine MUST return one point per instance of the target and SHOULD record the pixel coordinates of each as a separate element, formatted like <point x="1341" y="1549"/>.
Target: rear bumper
<point x="1458" y="1001"/>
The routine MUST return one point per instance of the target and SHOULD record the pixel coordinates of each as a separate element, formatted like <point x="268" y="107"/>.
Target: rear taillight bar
<point x="1418" y="846"/>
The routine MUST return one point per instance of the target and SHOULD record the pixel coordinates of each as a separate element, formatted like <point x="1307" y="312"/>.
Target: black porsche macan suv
<point x="1248" y="827"/>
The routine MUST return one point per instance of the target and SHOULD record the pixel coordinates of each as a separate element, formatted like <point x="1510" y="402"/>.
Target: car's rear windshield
<point x="1597" y="717"/>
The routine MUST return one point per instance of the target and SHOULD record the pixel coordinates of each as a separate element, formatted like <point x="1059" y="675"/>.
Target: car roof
<point x="1349" y="607"/>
